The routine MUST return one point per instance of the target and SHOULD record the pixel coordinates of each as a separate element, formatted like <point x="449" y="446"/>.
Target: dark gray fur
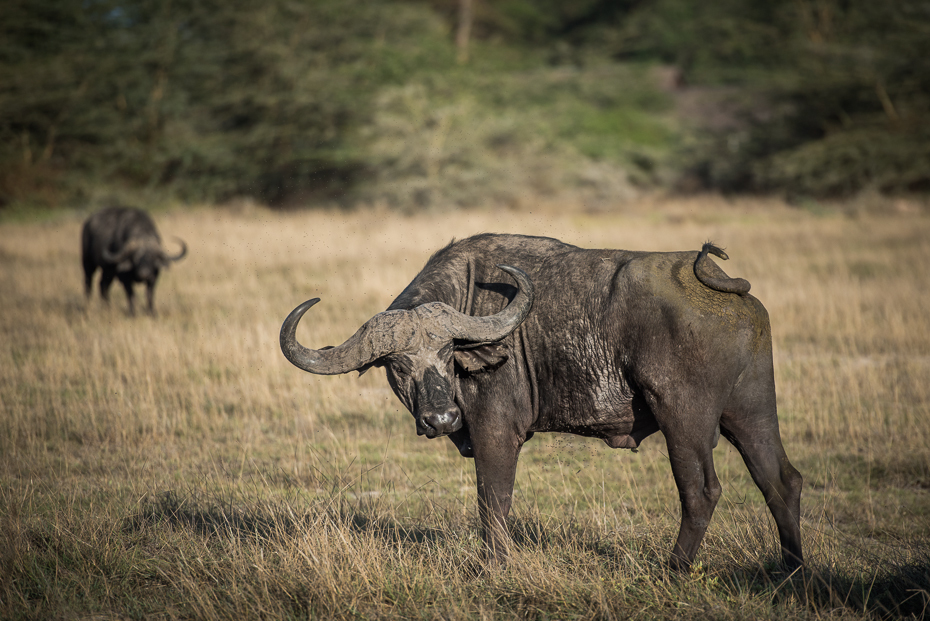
<point x="123" y="243"/>
<point x="617" y="345"/>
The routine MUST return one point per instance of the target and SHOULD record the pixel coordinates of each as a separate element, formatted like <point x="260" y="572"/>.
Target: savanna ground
<point x="179" y="467"/>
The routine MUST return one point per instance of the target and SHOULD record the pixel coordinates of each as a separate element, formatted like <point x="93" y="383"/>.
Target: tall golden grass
<point x="179" y="467"/>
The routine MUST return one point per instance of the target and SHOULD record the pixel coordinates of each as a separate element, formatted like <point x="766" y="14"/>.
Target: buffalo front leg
<point x="150" y="296"/>
<point x="496" y="467"/>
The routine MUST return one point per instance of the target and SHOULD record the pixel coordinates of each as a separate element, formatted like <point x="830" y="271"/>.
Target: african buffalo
<point x="608" y="344"/>
<point x="124" y="243"/>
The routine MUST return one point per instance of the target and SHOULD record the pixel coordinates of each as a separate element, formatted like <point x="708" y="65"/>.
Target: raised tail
<point x="704" y="267"/>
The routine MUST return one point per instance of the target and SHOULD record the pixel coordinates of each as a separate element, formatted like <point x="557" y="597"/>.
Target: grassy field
<point x="179" y="467"/>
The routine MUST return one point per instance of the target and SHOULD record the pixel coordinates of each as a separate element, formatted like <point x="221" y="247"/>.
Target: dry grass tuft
<point x="179" y="467"/>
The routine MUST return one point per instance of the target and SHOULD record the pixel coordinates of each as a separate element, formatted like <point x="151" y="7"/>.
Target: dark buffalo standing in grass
<point x="608" y="344"/>
<point x="124" y="243"/>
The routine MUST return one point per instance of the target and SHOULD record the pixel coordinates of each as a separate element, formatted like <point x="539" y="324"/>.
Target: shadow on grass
<point x="888" y="581"/>
<point x="889" y="591"/>
<point x="894" y="583"/>
<point x="892" y="587"/>
<point x="221" y="517"/>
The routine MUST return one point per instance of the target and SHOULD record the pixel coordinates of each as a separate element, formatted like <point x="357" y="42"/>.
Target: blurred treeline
<point x="444" y="102"/>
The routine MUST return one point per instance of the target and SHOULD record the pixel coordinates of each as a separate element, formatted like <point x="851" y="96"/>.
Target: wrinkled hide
<point x="614" y="345"/>
<point x="124" y="243"/>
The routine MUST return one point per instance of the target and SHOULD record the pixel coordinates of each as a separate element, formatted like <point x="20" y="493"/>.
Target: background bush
<point x="296" y="102"/>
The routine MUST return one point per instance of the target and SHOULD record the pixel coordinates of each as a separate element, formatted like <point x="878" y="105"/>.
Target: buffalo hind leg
<point x="780" y="483"/>
<point x="691" y="455"/>
<point x="89" y="269"/>
<point x="750" y="423"/>
<point x="106" y="279"/>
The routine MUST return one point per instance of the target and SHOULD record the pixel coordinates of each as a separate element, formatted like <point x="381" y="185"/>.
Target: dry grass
<point x="179" y="467"/>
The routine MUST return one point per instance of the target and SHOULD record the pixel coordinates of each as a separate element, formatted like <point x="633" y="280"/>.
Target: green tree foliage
<point x="215" y="98"/>
<point x="857" y="113"/>
<point x="828" y="96"/>
<point x="836" y="93"/>
<point x="206" y="100"/>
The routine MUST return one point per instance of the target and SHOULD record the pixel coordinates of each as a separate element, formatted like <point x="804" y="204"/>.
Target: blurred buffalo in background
<point x="124" y="243"/>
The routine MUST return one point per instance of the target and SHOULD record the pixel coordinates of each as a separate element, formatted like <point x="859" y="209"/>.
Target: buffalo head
<point x="142" y="259"/>
<point x="419" y="349"/>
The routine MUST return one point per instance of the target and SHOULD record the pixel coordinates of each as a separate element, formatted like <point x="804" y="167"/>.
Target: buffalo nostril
<point x="442" y="423"/>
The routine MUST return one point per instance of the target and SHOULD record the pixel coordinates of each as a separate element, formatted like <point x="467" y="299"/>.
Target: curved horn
<point x="483" y="329"/>
<point x="385" y="333"/>
<point x="398" y="330"/>
<point x="183" y="252"/>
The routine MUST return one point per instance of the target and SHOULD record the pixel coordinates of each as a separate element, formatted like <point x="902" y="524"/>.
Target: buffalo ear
<point x="481" y="358"/>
